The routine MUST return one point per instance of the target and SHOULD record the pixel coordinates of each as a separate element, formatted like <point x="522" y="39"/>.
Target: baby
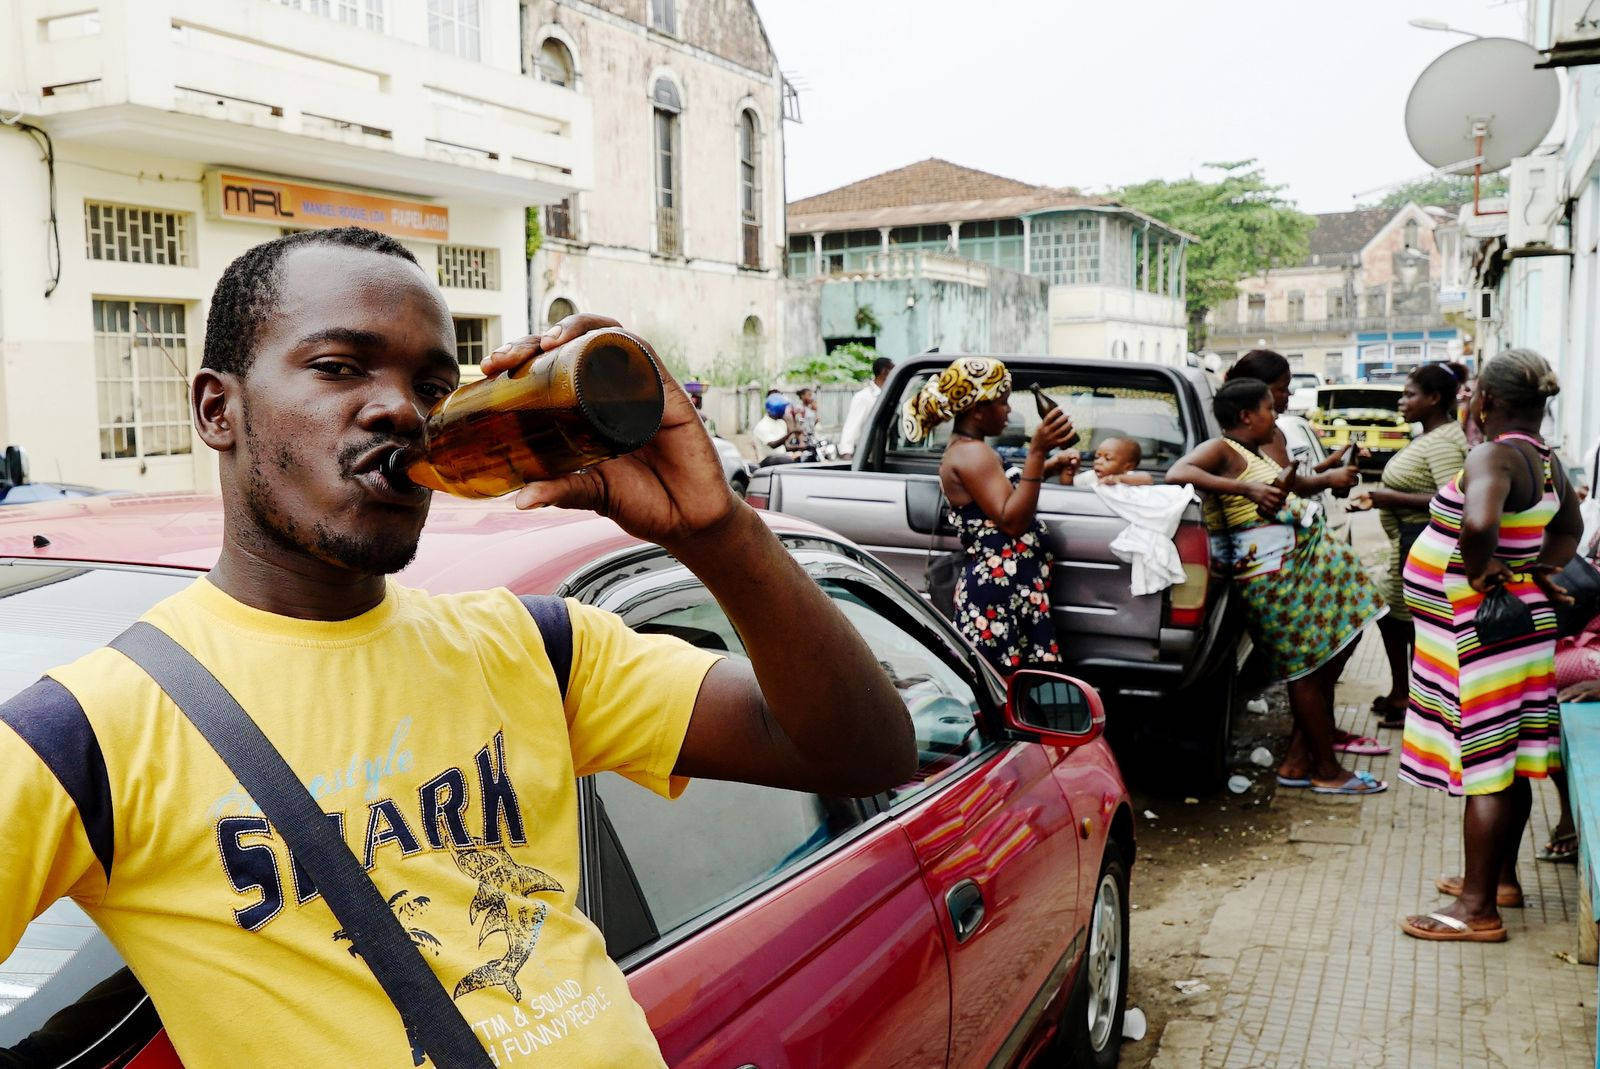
<point x="1114" y="462"/>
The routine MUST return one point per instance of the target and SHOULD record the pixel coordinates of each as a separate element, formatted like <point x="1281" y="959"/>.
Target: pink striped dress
<point x="1479" y="715"/>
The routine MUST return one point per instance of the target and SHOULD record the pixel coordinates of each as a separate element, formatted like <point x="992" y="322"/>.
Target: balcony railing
<point x="1333" y="325"/>
<point x="668" y="236"/>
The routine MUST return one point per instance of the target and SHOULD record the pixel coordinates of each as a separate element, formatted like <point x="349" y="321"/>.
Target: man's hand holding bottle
<point x="669" y="491"/>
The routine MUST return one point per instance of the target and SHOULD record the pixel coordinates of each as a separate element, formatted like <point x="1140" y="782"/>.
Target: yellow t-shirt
<point x="433" y="730"/>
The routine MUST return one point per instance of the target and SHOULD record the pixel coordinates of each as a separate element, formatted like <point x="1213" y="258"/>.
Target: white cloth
<point x="766" y="431"/>
<point x="1153" y="513"/>
<point x="855" y="420"/>
<point x="1590" y="509"/>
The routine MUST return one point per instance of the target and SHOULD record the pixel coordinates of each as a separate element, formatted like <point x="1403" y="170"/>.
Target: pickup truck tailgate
<point x="892" y="517"/>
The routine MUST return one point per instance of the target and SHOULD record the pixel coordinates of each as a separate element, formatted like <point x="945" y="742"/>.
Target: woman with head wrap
<point x="1483" y="718"/>
<point x="1002" y="600"/>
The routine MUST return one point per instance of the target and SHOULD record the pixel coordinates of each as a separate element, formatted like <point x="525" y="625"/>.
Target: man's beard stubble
<point x="380" y="554"/>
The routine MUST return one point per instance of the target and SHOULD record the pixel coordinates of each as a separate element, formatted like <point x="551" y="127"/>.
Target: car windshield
<point x="51" y="614"/>
<point x="1357" y="397"/>
<point x="1142" y="406"/>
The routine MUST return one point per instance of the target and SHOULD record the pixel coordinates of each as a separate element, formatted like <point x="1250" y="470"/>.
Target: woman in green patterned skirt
<point x="1410" y="480"/>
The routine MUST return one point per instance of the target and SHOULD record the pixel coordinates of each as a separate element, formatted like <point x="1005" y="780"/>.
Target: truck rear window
<point x="1145" y="408"/>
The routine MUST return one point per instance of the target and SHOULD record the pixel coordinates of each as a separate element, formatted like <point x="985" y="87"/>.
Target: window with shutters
<point x="667" y="105"/>
<point x="469" y="268"/>
<point x="750" y="189"/>
<point x="141" y="353"/>
<point x="134" y="235"/>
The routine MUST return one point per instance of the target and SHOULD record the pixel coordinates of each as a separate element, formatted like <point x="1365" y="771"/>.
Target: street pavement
<point x="1307" y="965"/>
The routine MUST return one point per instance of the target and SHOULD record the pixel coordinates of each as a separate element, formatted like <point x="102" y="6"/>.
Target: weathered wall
<point x="693" y="304"/>
<point x="1009" y="315"/>
<point x="802" y="317"/>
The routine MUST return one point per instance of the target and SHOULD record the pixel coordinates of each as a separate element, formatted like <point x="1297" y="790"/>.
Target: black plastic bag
<point x="1502" y="617"/>
<point x="1581" y="580"/>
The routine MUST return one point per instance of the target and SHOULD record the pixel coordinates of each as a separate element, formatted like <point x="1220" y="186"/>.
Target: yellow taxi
<point x="1366" y="413"/>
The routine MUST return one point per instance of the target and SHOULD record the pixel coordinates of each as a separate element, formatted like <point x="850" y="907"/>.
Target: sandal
<point x="1287" y="781"/>
<point x="1456" y="931"/>
<point x="1362" y="746"/>
<point x="1359" y="783"/>
<point x="1560" y="848"/>
<point x="1504" y="897"/>
<point x="1389" y="715"/>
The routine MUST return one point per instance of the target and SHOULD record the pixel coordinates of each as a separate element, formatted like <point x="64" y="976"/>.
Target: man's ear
<point x="214" y="398"/>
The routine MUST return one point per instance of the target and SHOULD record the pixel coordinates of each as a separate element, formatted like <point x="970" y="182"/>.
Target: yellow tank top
<point x="1235" y="511"/>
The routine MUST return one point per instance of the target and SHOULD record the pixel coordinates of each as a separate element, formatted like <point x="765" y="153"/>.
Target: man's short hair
<point x="247" y="293"/>
<point x="881" y="365"/>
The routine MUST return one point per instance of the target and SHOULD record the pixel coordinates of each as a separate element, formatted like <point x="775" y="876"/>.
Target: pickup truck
<point x="1172" y="658"/>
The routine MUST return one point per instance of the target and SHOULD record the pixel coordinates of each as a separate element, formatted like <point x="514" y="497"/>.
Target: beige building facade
<point x="149" y="142"/>
<point x="1369" y="301"/>
<point x="680" y="232"/>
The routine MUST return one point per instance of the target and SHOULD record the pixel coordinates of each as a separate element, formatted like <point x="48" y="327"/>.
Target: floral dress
<point x="1002" y="600"/>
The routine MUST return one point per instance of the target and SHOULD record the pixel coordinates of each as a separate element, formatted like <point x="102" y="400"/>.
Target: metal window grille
<point x="453" y="27"/>
<point x="1296" y="306"/>
<point x="472" y="339"/>
<point x="141" y="377"/>
<point x="136" y="235"/>
<point x="558" y="221"/>
<point x="469" y="268"/>
<point x="1066" y="250"/>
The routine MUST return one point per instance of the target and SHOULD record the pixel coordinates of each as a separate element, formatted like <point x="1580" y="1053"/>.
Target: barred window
<point x="136" y="235"/>
<point x="472" y="339"/>
<point x="469" y="268"/>
<point x="559" y="220"/>
<point x="1065" y="249"/>
<point x="141" y="376"/>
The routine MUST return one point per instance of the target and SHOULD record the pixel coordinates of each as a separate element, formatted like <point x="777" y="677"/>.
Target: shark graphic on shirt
<point x="503" y="901"/>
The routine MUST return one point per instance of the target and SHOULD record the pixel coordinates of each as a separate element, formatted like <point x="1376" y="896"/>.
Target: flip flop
<point x="1503" y="897"/>
<point x="1459" y="931"/>
<point x="1286" y="782"/>
<point x="1362" y="746"/>
<point x="1560" y="849"/>
<point x="1360" y="783"/>
<point x="1393" y="725"/>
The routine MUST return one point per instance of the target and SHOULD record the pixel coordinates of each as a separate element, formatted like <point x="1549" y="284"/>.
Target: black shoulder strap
<point x="432" y="1021"/>
<point x="555" y="627"/>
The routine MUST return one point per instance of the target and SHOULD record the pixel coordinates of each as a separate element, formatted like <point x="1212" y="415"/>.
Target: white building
<point x="680" y="233"/>
<point x="186" y="131"/>
<point x="1117" y="278"/>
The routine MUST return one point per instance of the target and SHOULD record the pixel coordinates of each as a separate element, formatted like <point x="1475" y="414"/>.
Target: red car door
<point x="761" y="927"/>
<point x="999" y="853"/>
<point x="993" y="832"/>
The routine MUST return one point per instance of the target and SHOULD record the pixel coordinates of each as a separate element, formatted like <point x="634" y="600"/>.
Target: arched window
<point x="667" y="104"/>
<point x="554" y="63"/>
<point x="750" y="187"/>
<point x="1411" y="233"/>
<point x="750" y="338"/>
<point x="560" y="308"/>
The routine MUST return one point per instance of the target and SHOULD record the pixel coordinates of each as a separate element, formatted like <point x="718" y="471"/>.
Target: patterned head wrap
<point x="966" y="382"/>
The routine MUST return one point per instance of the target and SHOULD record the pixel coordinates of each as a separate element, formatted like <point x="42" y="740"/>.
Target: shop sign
<point x="278" y="202"/>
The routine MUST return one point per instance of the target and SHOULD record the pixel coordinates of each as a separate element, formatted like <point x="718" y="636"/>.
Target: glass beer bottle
<point x="597" y="397"/>
<point x="1046" y="405"/>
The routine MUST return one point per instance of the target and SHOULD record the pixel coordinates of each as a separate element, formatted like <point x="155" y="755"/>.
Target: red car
<point x="976" y="916"/>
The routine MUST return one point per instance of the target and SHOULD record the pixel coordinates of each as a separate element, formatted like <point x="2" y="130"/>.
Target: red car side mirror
<point x="1053" y="709"/>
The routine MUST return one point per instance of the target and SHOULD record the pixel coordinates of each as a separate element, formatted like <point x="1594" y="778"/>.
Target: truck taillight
<point x="1186" y="602"/>
<point x="757" y="501"/>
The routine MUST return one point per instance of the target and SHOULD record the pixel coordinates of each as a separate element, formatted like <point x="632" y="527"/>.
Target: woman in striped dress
<point x="1482" y="718"/>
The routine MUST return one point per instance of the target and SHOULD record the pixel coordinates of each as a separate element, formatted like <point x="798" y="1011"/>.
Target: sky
<point x="1101" y="93"/>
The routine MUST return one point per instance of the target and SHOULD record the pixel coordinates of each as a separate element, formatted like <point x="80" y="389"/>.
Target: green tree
<point x="1244" y="225"/>
<point x="1445" y="190"/>
<point x="851" y="362"/>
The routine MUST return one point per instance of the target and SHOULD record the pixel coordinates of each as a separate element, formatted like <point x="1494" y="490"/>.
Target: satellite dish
<point x="1486" y="89"/>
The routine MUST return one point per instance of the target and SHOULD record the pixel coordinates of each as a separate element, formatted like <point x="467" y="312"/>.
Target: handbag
<point x="1580" y="579"/>
<point x="1502" y="617"/>
<point x="433" y="1023"/>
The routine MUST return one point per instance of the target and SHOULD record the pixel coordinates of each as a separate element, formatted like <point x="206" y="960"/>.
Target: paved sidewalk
<point x="1310" y="968"/>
